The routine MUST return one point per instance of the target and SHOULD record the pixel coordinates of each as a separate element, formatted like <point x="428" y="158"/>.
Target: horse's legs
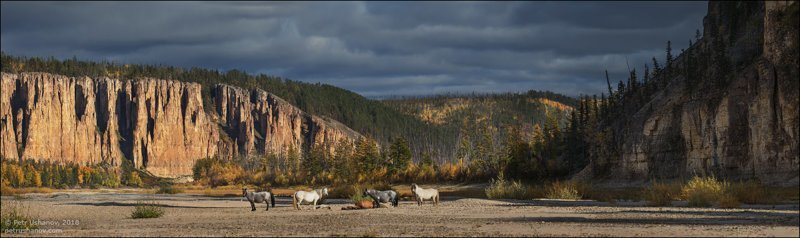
<point x="266" y="201"/>
<point x="315" y="203"/>
<point x="253" y="206"/>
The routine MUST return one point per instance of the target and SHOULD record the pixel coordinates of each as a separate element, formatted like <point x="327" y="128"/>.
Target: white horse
<point x="422" y="194"/>
<point x="300" y="197"/>
<point x="258" y="197"/>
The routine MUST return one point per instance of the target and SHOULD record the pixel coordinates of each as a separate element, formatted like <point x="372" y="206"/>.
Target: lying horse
<point x="259" y="197"/>
<point x="422" y="194"/>
<point x="300" y="197"/>
<point x="381" y="196"/>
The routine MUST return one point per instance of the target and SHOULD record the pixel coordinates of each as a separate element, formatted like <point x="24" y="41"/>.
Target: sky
<point x="376" y="49"/>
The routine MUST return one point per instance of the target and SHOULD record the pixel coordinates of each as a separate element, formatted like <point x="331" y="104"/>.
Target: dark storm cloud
<point x="373" y="48"/>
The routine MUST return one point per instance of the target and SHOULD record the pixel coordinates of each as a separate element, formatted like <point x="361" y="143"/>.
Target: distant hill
<point x="496" y="111"/>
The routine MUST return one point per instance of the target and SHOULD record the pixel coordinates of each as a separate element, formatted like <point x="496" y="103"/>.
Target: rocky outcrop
<point x="260" y="122"/>
<point x="745" y="128"/>
<point x="159" y="125"/>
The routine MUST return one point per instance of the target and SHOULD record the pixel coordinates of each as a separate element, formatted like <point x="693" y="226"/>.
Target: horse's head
<point x="324" y="191"/>
<point x="414" y="188"/>
<point x="244" y="191"/>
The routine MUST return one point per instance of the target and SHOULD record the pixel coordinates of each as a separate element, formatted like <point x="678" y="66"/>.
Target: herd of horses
<point x="314" y="196"/>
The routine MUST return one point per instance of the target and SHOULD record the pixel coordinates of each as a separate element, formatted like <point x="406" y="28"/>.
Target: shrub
<point x="563" y="190"/>
<point x="134" y="180"/>
<point x="661" y="194"/>
<point x="168" y="189"/>
<point x="500" y="188"/>
<point x="15" y="218"/>
<point x="147" y="210"/>
<point x="216" y="172"/>
<point x="749" y="192"/>
<point x="702" y="192"/>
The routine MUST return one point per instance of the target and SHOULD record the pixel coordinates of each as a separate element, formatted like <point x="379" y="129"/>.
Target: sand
<point x="107" y="214"/>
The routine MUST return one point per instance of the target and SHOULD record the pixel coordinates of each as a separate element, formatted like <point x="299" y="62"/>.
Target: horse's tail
<point x="436" y="199"/>
<point x="294" y="201"/>
<point x="272" y="198"/>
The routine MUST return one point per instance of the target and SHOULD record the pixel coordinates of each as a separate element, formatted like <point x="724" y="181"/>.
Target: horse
<point x="422" y="194"/>
<point x="258" y="197"/>
<point x="381" y="196"/>
<point x="308" y="197"/>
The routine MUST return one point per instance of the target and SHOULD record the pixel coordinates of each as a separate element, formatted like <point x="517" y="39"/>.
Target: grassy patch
<point x="169" y="190"/>
<point x="727" y="201"/>
<point x="500" y="188"/>
<point x="10" y="191"/>
<point x="661" y="194"/>
<point x="749" y="192"/>
<point x="14" y="216"/>
<point x="564" y="190"/>
<point x="147" y="210"/>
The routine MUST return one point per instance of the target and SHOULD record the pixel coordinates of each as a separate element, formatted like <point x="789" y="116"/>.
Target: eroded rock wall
<point x="261" y="122"/>
<point x="159" y="125"/>
<point x="745" y="129"/>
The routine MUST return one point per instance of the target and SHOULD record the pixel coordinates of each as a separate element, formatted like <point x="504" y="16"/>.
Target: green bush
<point x="147" y="210"/>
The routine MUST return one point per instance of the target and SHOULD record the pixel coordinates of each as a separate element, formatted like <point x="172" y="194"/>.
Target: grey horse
<point x="381" y="196"/>
<point x="259" y="197"/>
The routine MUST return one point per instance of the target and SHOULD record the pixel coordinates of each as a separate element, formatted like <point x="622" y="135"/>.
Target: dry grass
<point x="661" y="194"/>
<point x="9" y="191"/>
<point x="749" y="192"/>
<point x="565" y="190"/>
<point x="222" y="191"/>
<point x="168" y="189"/>
<point x="727" y="201"/>
<point x="15" y="216"/>
<point x="500" y="188"/>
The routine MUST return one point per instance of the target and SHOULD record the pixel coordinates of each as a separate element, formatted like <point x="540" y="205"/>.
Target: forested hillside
<point x="726" y="107"/>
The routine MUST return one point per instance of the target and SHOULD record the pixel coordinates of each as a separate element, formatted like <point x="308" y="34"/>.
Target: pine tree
<point x="400" y="155"/>
<point x="669" y="65"/>
<point x="656" y="68"/>
<point x="697" y="35"/>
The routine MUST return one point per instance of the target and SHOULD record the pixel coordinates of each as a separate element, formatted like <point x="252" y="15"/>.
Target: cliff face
<point x="744" y="129"/>
<point x="259" y="122"/>
<point x="159" y="125"/>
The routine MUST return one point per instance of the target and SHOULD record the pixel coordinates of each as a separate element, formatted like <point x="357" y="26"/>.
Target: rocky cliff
<point x="159" y="125"/>
<point x="260" y="122"/>
<point x="740" y="123"/>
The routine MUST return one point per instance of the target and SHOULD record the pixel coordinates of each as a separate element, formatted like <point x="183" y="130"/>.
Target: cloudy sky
<point x="376" y="49"/>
